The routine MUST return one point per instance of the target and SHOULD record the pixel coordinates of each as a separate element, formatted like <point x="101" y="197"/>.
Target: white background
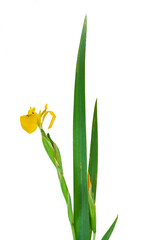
<point x="38" y="48"/>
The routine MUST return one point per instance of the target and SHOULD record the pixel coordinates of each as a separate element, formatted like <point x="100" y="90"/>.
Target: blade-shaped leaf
<point x="110" y="230"/>
<point x="51" y="149"/>
<point x="48" y="147"/>
<point x="81" y="209"/>
<point x="93" y="158"/>
<point x="57" y="152"/>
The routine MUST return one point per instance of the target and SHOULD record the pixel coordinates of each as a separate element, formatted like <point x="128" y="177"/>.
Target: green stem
<point x="73" y="232"/>
<point x="67" y="198"/>
<point x="94" y="236"/>
<point x="55" y="156"/>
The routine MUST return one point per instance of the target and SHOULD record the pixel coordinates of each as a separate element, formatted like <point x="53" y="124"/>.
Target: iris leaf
<point x="93" y="158"/>
<point x="81" y="209"/>
<point x="110" y="230"/>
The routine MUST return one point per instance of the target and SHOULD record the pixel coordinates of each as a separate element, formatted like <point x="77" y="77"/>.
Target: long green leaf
<point x="81" y="209"/>
<point x="110" y="230"/>
<point x="93" y="158"/>
<point x="93" y="164"/>
<point x="51" y="149"/>
<point x="48" y="147"/>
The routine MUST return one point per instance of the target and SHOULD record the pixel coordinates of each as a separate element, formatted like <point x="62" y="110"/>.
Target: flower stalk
<point x="54" y="154"/>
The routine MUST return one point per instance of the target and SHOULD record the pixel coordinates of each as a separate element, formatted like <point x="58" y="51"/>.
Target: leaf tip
<point x="85" y="23"/>
<point x="96" y="102"/>
<point x="85" y="19"/>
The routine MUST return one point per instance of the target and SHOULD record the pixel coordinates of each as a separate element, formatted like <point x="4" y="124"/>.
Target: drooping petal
<point x="52" y="120"/>
<point x="29" y="122"/>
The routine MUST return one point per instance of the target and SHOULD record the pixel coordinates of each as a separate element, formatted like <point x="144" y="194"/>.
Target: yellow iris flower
<point x="32" y="120"/>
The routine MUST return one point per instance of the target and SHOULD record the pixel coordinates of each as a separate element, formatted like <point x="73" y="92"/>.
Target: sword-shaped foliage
<point x="92" y="170"/>
<point x="93" y="158"/>
<point x="110" y="230"/>
<point x="81" y="208"/>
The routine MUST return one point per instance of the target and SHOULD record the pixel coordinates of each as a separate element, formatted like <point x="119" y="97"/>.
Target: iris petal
<point x="29" y="122"/>
<point x="52" y="120"/>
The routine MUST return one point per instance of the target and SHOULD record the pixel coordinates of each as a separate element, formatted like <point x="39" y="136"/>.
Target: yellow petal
<point x="29" y="122"/>
<point x="31" y="111"/>
<point x="46" y="106"/>
<point x="52" y="120"/>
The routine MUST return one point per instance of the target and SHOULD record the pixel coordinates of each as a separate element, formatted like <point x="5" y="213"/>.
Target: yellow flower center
<point x="30" y="121"/>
